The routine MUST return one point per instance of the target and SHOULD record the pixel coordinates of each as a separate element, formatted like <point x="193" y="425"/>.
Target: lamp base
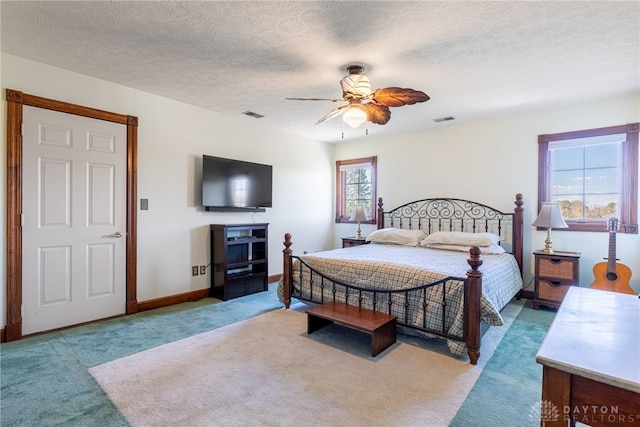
<point x="358" y="233"/>
<point x="547" y="243"/>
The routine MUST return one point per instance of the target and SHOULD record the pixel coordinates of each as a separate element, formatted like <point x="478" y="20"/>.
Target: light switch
<point x="144" y="204"/>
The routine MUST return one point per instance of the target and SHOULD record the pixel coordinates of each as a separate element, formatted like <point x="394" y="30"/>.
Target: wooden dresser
<point x="590" y="361"/>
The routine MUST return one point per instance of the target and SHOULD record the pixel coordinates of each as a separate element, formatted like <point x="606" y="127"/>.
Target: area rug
<point x="267" y="371"/>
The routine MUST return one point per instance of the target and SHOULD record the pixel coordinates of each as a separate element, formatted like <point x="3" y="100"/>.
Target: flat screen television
<point x="235" y="185"/>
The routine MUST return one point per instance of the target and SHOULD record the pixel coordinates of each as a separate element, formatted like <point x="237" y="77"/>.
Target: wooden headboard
<point x="447" y="214"/>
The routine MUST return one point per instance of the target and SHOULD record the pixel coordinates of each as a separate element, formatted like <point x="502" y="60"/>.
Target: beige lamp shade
<point x="358" y="215"/>
<point x="549" y="217"/>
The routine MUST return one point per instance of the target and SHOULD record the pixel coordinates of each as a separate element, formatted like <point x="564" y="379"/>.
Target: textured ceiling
<point x="474" y="59"/>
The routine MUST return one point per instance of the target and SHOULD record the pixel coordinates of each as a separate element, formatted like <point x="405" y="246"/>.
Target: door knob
<point x="117" y="235"/>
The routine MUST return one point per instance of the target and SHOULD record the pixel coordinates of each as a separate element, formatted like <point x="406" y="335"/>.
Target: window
<point x="356" y="185"/>
<point x="593" y="175"/>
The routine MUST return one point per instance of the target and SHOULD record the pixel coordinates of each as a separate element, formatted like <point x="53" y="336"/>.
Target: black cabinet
<point x="239" y="262"/>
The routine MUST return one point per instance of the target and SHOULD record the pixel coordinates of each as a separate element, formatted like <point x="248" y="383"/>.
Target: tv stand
<point x="239" y="259"/>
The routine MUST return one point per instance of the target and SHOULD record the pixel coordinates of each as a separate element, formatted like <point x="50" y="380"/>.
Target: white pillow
<point x="484" y="250"/>
<point x="461" y="238"/>
<point x="397" y="236"/>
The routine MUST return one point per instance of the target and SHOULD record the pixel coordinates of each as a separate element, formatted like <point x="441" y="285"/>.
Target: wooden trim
<point x="184" y="297"/>
<point x="584" y="133"/>
<point x="152" y="304"/>
<point x="132" y="216"/>
<point x="543" y="172"/>
<point x="13" y="327"/>
<point x="526" y="294"/>
<point x="628" y="186"/>
<point x="274" y="278"/>
<point x="78" y="110"/>
<point x="340" y="208"/>
<point x="15" y="102"/>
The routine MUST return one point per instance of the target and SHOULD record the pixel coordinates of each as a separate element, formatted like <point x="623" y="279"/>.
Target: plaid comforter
<point x="393" y="267"/>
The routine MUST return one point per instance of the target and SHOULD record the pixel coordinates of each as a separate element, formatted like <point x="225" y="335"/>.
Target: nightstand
<point x="554" y="273"/>
<point x="348" y="242"/>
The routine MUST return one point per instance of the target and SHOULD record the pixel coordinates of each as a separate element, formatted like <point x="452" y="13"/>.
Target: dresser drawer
<point x="552" y="291"/>
<point x="556" y="268"/>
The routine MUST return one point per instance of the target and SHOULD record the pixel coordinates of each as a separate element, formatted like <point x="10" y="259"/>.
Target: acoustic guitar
<point x="611" y="275"/>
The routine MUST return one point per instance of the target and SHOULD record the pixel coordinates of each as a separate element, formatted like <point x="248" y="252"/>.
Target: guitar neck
<point x="611" y="261"/>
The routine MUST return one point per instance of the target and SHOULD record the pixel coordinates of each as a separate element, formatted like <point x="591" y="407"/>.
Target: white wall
<point x="487" y="160"/>
<point x="172" y="137"/>
<point x="490" y="161"/>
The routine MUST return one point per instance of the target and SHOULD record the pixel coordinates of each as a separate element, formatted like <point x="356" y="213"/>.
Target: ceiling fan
<point x="364" y="104"/>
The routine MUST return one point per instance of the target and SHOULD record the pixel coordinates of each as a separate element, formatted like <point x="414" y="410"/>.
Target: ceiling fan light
<point x="355" y="116"/>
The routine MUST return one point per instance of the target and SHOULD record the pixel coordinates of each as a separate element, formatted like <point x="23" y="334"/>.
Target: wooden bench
<point x="381" y="326"/>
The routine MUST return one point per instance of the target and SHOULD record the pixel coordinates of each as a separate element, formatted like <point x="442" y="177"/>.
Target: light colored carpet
<point x="266" y="371"/>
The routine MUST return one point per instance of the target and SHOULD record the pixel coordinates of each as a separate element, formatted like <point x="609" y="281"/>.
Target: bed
<point x="442" y="266"/>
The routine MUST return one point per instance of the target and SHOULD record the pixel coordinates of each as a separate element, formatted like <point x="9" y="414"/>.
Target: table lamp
<point x="549" y="217"/>
<point x="358" y="215"/>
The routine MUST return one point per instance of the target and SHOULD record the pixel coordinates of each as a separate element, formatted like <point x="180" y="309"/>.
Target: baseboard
<point x="525" y="294"/>
<point x="172" y="300"/>
<point x="185" y="297"/>
<point x="275" y="278"/>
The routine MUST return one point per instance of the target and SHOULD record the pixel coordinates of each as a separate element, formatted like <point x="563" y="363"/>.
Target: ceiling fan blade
<point x="333" y="113"/>
<point x="397" y="96"/>
<point x="379" y="114"/>
<point x="316" y="99"/>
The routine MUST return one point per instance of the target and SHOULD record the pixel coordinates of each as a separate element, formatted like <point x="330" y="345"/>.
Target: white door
<point x="74" y="219"/>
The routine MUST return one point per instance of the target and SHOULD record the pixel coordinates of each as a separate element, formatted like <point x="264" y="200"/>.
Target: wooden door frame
<point x="15" y="102"/>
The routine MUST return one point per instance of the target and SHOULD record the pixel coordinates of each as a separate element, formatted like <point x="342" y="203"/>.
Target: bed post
<point x="286" y="270"/>
<point x="518" y="231"/>
<point x="472" y="305"/>
<point x="380" y="214"/>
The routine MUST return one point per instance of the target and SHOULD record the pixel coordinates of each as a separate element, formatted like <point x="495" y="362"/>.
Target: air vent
<point x="444" y="119"/>
<point x="252" y="114"/>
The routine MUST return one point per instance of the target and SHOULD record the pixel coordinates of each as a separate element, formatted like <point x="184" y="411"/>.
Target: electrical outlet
<point x="203" y="269"/>
<point x="194" y="270"/>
